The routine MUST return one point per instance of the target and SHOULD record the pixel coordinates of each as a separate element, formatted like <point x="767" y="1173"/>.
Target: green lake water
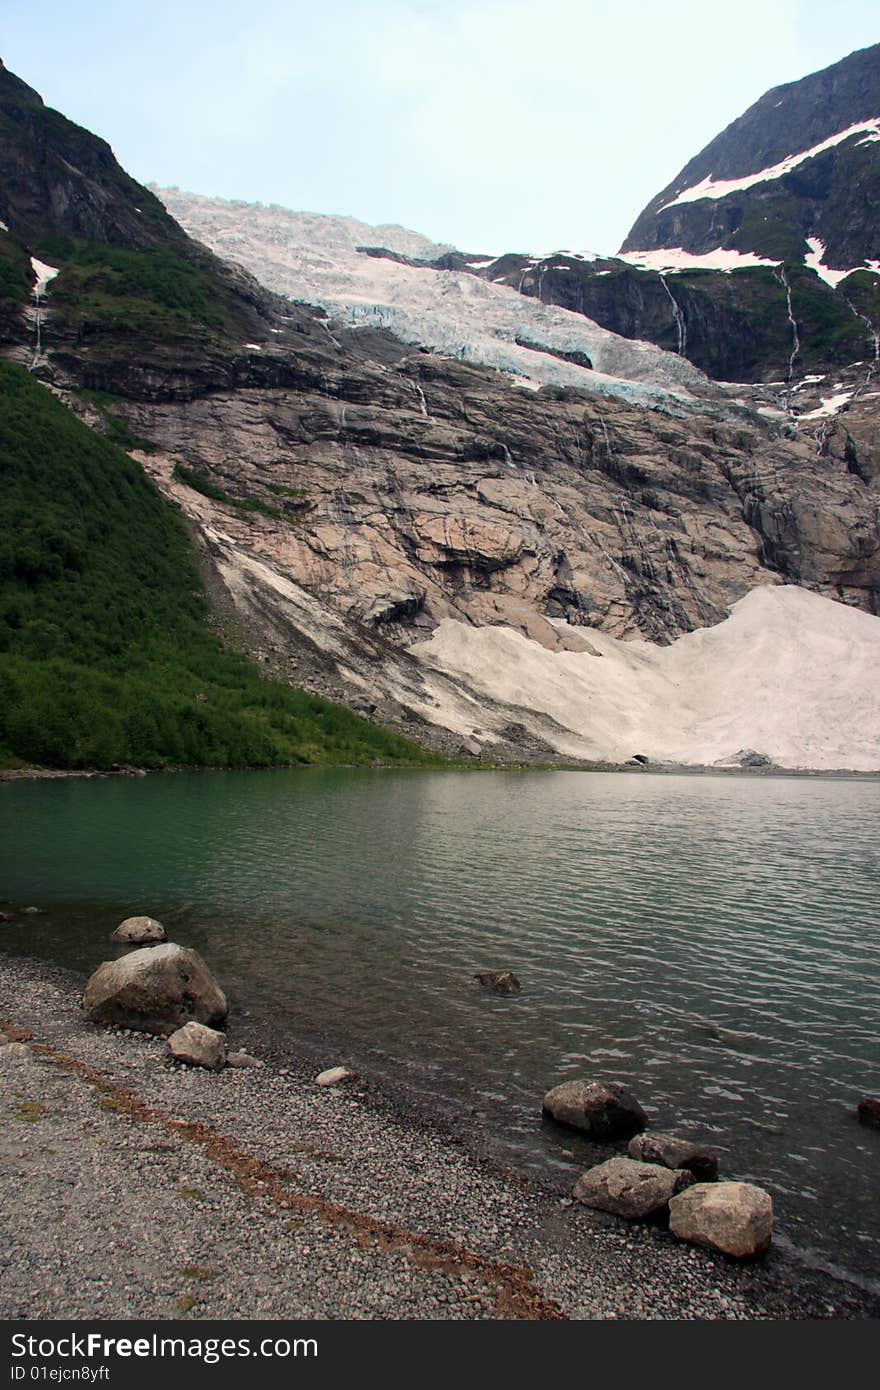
<point x="711" y="942"/>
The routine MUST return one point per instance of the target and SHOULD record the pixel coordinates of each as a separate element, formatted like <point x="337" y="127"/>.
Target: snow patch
<point x="44" y="274"/>
<point x="815" y="259"/>
<point x="712" y="188"/>
<point x="789" y="673"/>
<point x="830" y="406"/>
<point x="672" y="259"/>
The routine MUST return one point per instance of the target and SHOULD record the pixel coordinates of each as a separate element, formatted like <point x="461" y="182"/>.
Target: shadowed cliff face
<point x="348" y="493"/>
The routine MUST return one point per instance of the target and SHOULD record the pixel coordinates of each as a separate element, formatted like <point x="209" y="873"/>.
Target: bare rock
<point x="156" y="989"/>
<point x="137" y="931"/>
<point x="334" y="1075"/>
<point x="675" y="1153"/>
<point x="630" y="1189"/>
<point x="499" y="981"/>
<point x="735" y="1218"/>
<point x="15" y="1053"/>
<point x="30" y="911"/>
<point x="199" y="1046"/>
<point x="869" y="1111"/>
<point x="600" y="1109"/>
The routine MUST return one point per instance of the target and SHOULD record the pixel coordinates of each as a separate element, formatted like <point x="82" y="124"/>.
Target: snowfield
<point x="314" y="258"/>
<point x="790" y="674"/>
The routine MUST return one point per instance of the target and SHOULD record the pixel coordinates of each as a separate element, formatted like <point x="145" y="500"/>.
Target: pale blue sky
<point x="493" y="124"/>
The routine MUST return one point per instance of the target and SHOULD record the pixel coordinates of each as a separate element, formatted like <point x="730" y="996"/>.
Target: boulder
<point x="137" y="931"/>
<point x="15" y="1052"/>
<point x="675" y="1153"/>
<point x="199" y="1046"/>
<point x="333" y="1076"/>
<point x="5" y="917"/>
<point x="600" y="1109"/>
<point x="733" y="1217"/>
<point x="869" y="1111"/>
<point x="499" y="981"/>
<point x="155" y="990"/>
<point x="630" y="1189"/>
<point x="30" y="911"/>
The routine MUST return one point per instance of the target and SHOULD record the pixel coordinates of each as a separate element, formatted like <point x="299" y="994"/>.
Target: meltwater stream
<point x="711" y="942"/>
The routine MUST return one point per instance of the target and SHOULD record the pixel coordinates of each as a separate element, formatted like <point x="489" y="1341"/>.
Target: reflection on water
<point x="712" y="942"/>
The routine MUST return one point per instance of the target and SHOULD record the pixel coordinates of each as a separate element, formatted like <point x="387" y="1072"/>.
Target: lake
<point x="712" y="942"/>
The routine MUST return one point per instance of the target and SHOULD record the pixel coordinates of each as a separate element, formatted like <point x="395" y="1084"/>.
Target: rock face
<point x="675" y="1153"/>
<point x="869" y="1111"/>
<point x="602" y="1110"/>
<point x="199" y="1046"/>
<point x="155" y="990"/>
<point x="629" y="1189"/>
<point x="735" y="1218"/>
<point x="137" y="931"/>
<point x="499" y="981"/>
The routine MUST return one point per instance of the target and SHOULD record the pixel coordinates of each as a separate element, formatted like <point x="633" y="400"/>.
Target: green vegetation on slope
<point x="105" y="654"/>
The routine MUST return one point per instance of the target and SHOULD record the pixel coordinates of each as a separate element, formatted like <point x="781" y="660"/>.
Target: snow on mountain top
<point x="672" y="259"/>
<point x="710" y="188"/>
<point x="314" y="258"/>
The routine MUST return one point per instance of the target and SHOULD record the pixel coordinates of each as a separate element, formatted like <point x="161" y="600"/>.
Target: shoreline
<point x="346" y="1202"/>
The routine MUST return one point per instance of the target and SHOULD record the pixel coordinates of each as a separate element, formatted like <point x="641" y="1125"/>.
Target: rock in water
<point x="869" y="1111"/>
<point x="629" y="1189"/>
<point x="333" y="1076"/>
<point x="499" y="981"/>
<point x="135" y="931"/>
<point x="154" y="990"/>
<point x="733" y="1217"/>
<point x="675" y="1153"/>
<point x="198" y="1045"/>
<point x="601" y="1109"/>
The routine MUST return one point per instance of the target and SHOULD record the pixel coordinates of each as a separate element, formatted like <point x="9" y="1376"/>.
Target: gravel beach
<point x="134" y="1188"/>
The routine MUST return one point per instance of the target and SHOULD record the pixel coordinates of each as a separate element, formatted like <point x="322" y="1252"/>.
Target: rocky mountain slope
<point x="351" y="494"/>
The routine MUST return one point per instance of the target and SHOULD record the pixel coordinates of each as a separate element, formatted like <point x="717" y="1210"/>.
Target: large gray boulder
<point x="155" y="990"/>
<point x="137" y="931"/>
<point x="629" y="1189"/>
<point x="600" y="1109"/>
<point x="675" y="1153"/>
<point x="198" y="1045"/>
<point x="733" y="1217"/>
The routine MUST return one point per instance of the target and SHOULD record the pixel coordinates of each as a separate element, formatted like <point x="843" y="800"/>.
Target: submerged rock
<point x="136" y="931"/>
<point x="735" y="1218"/>
<point x="601" y="1109"/>
<point x="630" y="1189"/>
<point x="155" y="990"/>
<point x="243" y="1060"/>
<point x="869" y="1111"/>
<point x="675" y="1153"/>
<point x="199" y="1046"/>
<point x="499" y="981"/>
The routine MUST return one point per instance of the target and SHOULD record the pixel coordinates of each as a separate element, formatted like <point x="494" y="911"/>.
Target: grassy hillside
<point x="105" y="654"/>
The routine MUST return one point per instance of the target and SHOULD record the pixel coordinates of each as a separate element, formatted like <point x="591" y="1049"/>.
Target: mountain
<point x="760" y="261"/>
<point x="441" y="545"/>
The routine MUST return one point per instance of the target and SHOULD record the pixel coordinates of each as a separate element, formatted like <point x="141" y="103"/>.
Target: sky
<point x="496" y="125"/>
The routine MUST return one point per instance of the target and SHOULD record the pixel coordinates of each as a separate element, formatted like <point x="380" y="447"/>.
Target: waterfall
<point x="44" y="274"/>
<point x="783" y="279"/>
<point x="681" y="326"/>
